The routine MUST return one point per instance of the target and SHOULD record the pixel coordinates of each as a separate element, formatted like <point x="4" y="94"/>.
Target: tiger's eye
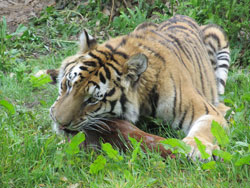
<point x="92" y="100"/>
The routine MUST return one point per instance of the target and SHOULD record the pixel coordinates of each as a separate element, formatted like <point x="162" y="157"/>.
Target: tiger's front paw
<point x="195" y="154"/>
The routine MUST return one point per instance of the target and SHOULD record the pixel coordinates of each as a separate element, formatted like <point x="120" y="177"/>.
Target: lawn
<point x="31" y="155"/>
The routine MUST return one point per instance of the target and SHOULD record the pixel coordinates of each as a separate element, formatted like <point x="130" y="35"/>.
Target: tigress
<point x="174" y="71"/>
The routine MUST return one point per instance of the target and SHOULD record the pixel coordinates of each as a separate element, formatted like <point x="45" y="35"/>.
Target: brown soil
<point x="20" y="11"/>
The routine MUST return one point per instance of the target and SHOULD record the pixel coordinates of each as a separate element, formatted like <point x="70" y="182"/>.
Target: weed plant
<point x="31" y="155"/>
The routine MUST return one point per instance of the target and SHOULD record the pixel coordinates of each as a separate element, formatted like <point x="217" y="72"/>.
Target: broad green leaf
<point x="229" y="101"/>
<point x="201" y="148"/>
<point x="219" y="133"/>
<point x="112" y="153"/>
<point x="136" y="146"/>
<point x="10" y="107"/>
<point x="150" y="181"/>
<point x="209" y="166"/>
<point x="246" y="97"/>
<point x="58" y="162"/>
<point x="98" y="164"/>
<point x="127" y="174"/>
<point x="3" y="28"/>
<point x="20" y="30"/>
<point x="178" y="145"/>
<point x="243" y="160"/>
<point x="242" y="144"/>
<point x="73" y="146"/>
<point x="223" y="154"/>
<point x="39" y="81"/>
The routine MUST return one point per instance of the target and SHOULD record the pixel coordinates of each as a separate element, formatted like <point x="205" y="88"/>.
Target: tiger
<point x="175" y="71"/>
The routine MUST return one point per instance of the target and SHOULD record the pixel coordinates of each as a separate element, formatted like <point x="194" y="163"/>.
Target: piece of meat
<point x="117" y="134"/>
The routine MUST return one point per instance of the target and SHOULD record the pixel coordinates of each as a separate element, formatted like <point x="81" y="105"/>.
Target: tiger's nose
<point x="60" y="119"/>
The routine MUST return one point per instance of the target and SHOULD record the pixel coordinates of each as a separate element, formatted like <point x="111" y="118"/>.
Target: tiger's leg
<point x="200" y="128"/>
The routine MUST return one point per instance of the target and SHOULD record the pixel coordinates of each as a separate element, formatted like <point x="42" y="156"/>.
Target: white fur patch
<point x="132" y="112"/>
<point x="198" y="125"/>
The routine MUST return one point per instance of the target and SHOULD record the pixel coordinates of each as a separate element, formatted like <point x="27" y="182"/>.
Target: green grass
<point x="31" y="155"/>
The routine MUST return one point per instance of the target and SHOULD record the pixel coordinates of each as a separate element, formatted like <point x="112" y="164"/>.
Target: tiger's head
<point x="95" y="85"/>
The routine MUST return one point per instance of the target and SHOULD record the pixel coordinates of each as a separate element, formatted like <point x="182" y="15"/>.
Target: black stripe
<point x="96" y="110"/>
<point x="214" y="108"/>
<point x="180" y="98"/>
<point x="109" y="47"/>
<point x="211" y="46"/>
<point x="178" y="42"/>
<point x="164" y="25"/>
<point x="68" y="64"/>
<point x="190" y="22"/>
<point x="112" y="104"/>
<point x="61" y="86"/>
<point x="154" y="98"/>
<point x="123" y="101"/>
<point x="210" y="53"/>
<point x="103" y="53"/>
<point x="215" y="37"/>
<point x="111" y="92"/>
<point x="153" y="52"/>
<point x="212" y="95"/>
<point x="113" y="59"/>
<point x="123" y="42"/>
<point x="184" y="30"/>
<point x="125" y="56"/>
<point x="174" y="105"/>
<point x="81" y="76"/>
<point x="145" y="25"/>
<point x="137" y="36"/>
<point x="179" y="27"/>
<point x="213" y="62"/>
<point x="192" y="116"/>
<point x="200" y="71"/>
<point x="188" y="36"/>
<point x="203" y="67"/>
<point x="222" y="82"/>
<point x="102" y="78"/>
<point x="94" y="83"/>
<point x="206" y="108"/>
<point x="70" y="71"/>
<point x="170" y="42"/>
<point x="116" y="70"/>
<point x="185" y="19"/>
<point x="182" y="119"/>
<point x="96" y="57"/>
<point x="90" y="63"/>
<point x="108" y="74"/>
<point x="223" y="66"/>
<point x="222" y="52"/>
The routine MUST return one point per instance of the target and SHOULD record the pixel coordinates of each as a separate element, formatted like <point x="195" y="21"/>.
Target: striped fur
<point x="174" y="70"/>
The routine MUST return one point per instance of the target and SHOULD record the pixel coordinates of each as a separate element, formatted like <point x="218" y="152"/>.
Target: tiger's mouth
<point x="68" y="131"/>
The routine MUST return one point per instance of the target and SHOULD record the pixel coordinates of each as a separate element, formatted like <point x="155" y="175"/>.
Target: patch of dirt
<point x="20" y="11"/>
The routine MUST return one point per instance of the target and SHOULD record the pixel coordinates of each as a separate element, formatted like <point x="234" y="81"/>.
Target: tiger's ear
<point x="87" y="42"/>
<point x="135" y="66"/>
